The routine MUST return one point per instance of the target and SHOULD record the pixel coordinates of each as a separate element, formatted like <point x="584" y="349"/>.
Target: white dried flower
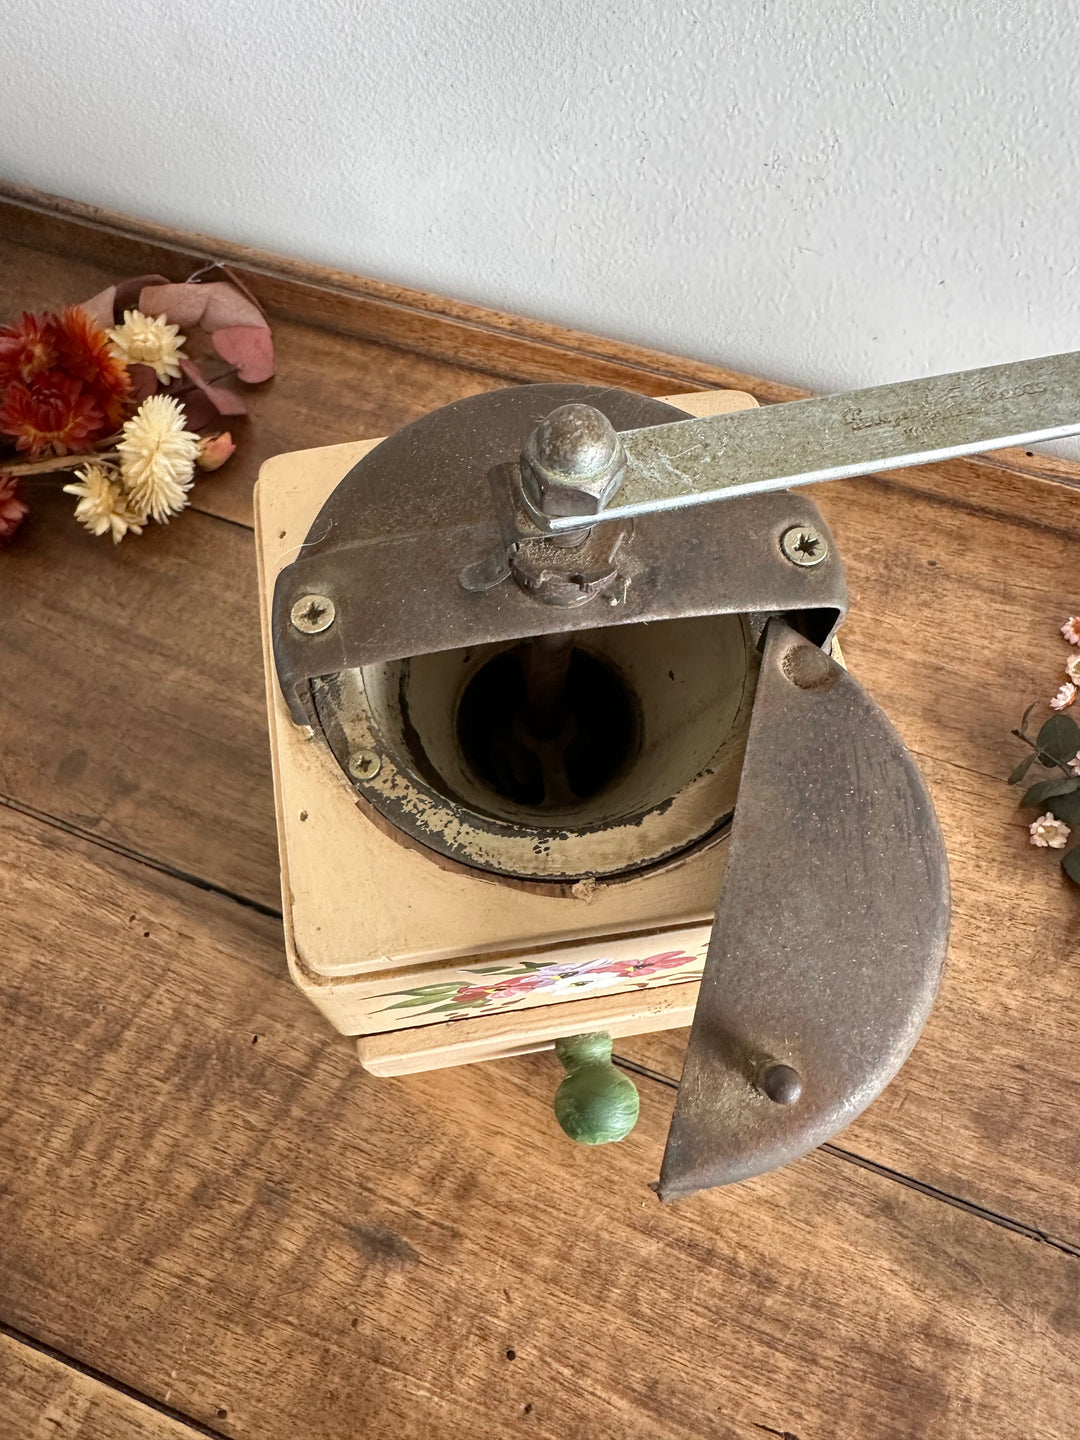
<point x="1074" y="763"/>
<point x="1064" y="697"/>
<point x="1048" y="833"/>
<point x="148" y="340"/>
<point x="1071" y="629"/>
<point x="103" y="506"/>
<point x="1072" y="668"/>
<point x="157" y="457"/>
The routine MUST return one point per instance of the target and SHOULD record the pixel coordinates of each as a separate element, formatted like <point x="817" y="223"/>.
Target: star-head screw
<point x="312" y="614"/>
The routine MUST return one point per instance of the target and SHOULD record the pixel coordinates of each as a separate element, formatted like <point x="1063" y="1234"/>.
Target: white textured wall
<point x="832" y="192"/>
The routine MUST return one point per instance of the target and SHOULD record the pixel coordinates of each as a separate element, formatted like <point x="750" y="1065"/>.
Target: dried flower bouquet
<point x="108" y="390"/>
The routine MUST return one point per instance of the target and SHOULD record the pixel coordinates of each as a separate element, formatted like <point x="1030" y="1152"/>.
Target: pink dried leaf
<point x="224" y="401"/>
<point x="128" y="292"/>
<point x="250" y="348"/>
<point x="181" y="305"/>
<point x="212" y="306"/>
<point x="100" y="307"/>
<point x="144" y="382"/>
<point x="229" y="307"/>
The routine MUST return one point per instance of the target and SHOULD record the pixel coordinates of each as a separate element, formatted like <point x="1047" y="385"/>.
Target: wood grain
<point x="207" y="1196"/>
<point x="41" y="1398"/>
<point x="132" y="705"/>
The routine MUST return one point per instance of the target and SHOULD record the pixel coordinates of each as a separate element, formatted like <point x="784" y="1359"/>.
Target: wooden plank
<point x="132" y="705"/>
<point x="41" y="1398"/>
<point x="205" y="1195"/>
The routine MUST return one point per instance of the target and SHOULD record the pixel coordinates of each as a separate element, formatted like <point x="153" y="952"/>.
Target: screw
<point x="364" y="764"/>
<point x="804" y="545"/>
<point x="313" y="613"/>
<point x="781" y="1083"/>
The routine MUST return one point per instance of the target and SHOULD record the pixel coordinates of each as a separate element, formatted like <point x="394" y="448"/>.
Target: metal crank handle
<point x="693" y="462"/>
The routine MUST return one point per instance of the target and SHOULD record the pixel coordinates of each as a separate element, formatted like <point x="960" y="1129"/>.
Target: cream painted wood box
<point x="428" y="962"/>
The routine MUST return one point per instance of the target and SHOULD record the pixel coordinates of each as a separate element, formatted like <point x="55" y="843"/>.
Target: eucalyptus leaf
<point x="1044" y="790"/>
<point x="1065" y="807"/>
<point x="1022" y="769"/>
<point x="1027" y="715"/>
<point x="420" y="1000"/>
<point x="1059" y="738"/>
<point x="1070" y="863"/>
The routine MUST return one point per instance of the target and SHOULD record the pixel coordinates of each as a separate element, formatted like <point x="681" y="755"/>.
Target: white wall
<point x="831" y="192"/>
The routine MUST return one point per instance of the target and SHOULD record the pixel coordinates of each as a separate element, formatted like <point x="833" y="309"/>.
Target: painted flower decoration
<point x="157" y="457"/>
<point x="149" y="340"/>
<point x="104" y="507"/>
<point x="1071" y="629"/>
<point x="1064" y="697"/>
<point x="456" y="999"/>
<point x="12" y="509"/>
<point x="1049" y="833"/>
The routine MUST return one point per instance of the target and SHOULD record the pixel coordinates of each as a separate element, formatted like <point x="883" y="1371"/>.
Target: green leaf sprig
<point x="1056" y="745"/>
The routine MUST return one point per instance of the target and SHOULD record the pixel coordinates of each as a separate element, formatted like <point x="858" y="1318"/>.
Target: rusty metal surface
<point x="830" y="935"/>
<point x="389" y="546"/>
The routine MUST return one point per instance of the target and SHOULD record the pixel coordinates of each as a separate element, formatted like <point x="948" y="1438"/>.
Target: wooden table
<point x="214" y="1222"/>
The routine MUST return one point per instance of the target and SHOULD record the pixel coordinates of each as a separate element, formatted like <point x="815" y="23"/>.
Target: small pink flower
<point x="1072" y="668"/>
<point x="12" y="509"/>
<point x="1048" y="833"/>
<point x="214" y="450"/>
<point x="1071" y="629"/>
<point x="1064" y="697"/>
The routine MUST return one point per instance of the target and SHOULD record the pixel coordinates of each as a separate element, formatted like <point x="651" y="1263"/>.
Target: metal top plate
<point x="389" y="545"/>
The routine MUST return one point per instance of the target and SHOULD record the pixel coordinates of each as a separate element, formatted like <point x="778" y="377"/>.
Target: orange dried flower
<point x="65" y="389"/>
<point x="83" y="351"/>
<point x="27" y="348"/>
<point x="55" y="416"/>
<point x="12" y="508"/>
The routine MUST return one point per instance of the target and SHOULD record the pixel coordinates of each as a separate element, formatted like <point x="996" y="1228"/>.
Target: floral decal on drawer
<point x="533" y="980"/>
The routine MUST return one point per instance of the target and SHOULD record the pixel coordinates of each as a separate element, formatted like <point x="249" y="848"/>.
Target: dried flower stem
<point x="57" y="462"/>
<point x="1046" y="760"/>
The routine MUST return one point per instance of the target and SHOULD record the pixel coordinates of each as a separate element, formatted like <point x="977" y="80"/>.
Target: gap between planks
<point x="980" y="1212"/>
<point x="108" y="1382"/>
<point x="644" y="1072"/>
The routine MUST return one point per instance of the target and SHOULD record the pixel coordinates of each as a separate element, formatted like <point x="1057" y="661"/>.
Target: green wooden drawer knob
<point x="596" y="1103"/>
